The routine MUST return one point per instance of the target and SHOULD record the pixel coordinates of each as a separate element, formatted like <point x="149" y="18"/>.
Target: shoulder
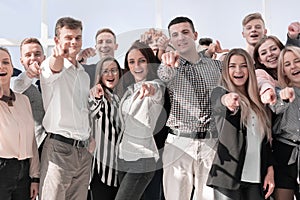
<point x="22" y="98"/>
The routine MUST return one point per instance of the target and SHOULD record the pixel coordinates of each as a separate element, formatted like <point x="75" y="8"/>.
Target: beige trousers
<point x="186" y="164"/>
<point x="65" y="171"/>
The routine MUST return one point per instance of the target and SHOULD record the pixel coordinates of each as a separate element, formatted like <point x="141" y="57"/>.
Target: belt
<point x="194" y="135"/>
<point x="75" y="143"/>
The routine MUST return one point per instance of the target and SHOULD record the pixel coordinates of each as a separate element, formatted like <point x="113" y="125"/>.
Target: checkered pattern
<point x="190" y="86"/>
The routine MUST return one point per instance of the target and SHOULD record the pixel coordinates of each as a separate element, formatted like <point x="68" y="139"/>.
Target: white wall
<point x="218" y="19"/>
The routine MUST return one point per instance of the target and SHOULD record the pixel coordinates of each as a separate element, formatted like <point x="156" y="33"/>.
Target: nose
<point x="238" y="69"/>
<point x="253" y="29"/>
<point x="181" y="36"/>
<point x="73" y="41"/>
<point x="32" y="56"/>
<point x="269" y="53"/>
<point x="293" y="65"/>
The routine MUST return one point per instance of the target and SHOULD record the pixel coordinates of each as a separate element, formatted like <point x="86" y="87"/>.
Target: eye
<point x="105" y="72"/>
<point x="297" y="60"/>
<point x="114" y="71"/>
<point x="174" y="34"/>
<point x="142" y="61"/>
<point x="274" y="48"/>
<point x="131" y="62"/>
<point x="263" y="53"/>
<point x="38" y="54"/>
<point x="248" y="27"/>
<point x="286" y="64"/>
<point x="185" y="32"/>
<point x="6" y="62"/>
<point x="258" y="27"/>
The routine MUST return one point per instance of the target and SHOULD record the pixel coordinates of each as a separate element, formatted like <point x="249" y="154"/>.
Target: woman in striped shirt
<point x="105" y="128"/>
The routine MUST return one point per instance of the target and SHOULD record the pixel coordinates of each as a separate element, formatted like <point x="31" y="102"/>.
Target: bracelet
<point x="35" y="180"/>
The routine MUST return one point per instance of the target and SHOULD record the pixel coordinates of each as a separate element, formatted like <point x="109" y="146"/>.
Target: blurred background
<point x="218" y="19"/>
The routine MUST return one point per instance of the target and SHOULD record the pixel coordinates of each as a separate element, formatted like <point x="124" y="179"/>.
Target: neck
<point x="6" y="92"/>
<point x="250" y="50"/>
<point x="73" y="61"/>
<point x="192" y="56"/>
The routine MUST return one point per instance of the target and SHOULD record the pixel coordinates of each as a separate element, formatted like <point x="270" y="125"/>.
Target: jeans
<point x="154" y="191"/>
<point x="133" y="179"/>
<point x="14" y="179"/>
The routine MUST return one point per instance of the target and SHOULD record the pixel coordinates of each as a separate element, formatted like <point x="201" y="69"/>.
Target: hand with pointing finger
<point x="147" y="89"/>
<point x="231" y="101"/>
<point x="33" y="70"/>
<point x="97" y="91"/>
<point x="170" y="59"/>
<point x="269" y="97"/>
<point x="287" y="93"/>
<point x="59" y="52"/>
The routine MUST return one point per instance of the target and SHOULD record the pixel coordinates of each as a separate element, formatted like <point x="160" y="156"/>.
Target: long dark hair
<point x="152" y="61"/>
<point x="258" y="64"/>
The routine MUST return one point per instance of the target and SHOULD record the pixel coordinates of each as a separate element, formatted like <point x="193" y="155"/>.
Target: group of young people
<point x="175" y="125"/>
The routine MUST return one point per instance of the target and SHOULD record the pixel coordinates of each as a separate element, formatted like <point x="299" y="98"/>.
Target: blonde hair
<point x="283" y="80"/>
<point x="250" y="99"/>
<point x="251" y="17"/>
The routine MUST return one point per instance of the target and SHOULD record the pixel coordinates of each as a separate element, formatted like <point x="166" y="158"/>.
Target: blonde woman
<point x="242" y="167"/>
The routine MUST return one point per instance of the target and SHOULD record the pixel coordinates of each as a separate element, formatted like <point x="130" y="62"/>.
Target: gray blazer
<point x="229" y="160"/>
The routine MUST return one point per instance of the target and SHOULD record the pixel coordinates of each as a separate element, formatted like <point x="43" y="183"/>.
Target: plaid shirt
<point x="190" y="86"/>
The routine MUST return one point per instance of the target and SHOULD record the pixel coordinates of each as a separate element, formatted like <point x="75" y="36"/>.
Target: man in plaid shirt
<point x="189" y="149"/>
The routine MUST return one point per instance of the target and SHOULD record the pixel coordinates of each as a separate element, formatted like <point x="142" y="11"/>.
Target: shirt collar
<point x="68" y="64"/>
<point x="9" y="99"/>
<point x="183" y="61"/>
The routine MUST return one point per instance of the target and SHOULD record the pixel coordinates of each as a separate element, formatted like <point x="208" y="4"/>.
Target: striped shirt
<point x="190" y="86"/>
<point x="105" y="129"/>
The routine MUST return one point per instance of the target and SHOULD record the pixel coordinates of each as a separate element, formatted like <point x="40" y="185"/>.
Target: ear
<point x="44" y="57"/>
<point x="116" y="46"/>
<point x="21" y="60"/>
<point x="243" y="34"/>
<point x="195" y="35"/>
<point x="265" y="31"/>
<point x="56" y="40"/>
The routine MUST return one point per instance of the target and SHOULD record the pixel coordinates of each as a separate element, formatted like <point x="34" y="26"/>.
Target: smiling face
<point x="291" y="68"/>
<point x="106" y="44"/>
<point x="182" y="37"/>
<point x="110" y="74"/>
<point x="253" y="31"/>
<point x="70" y="39"/>
<point x="238" y="71"/>
<point x="6" y="69"/>
<point x="138" y="65"/>
<point x="268" y="54"/>
<point x="31" y="53"/>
